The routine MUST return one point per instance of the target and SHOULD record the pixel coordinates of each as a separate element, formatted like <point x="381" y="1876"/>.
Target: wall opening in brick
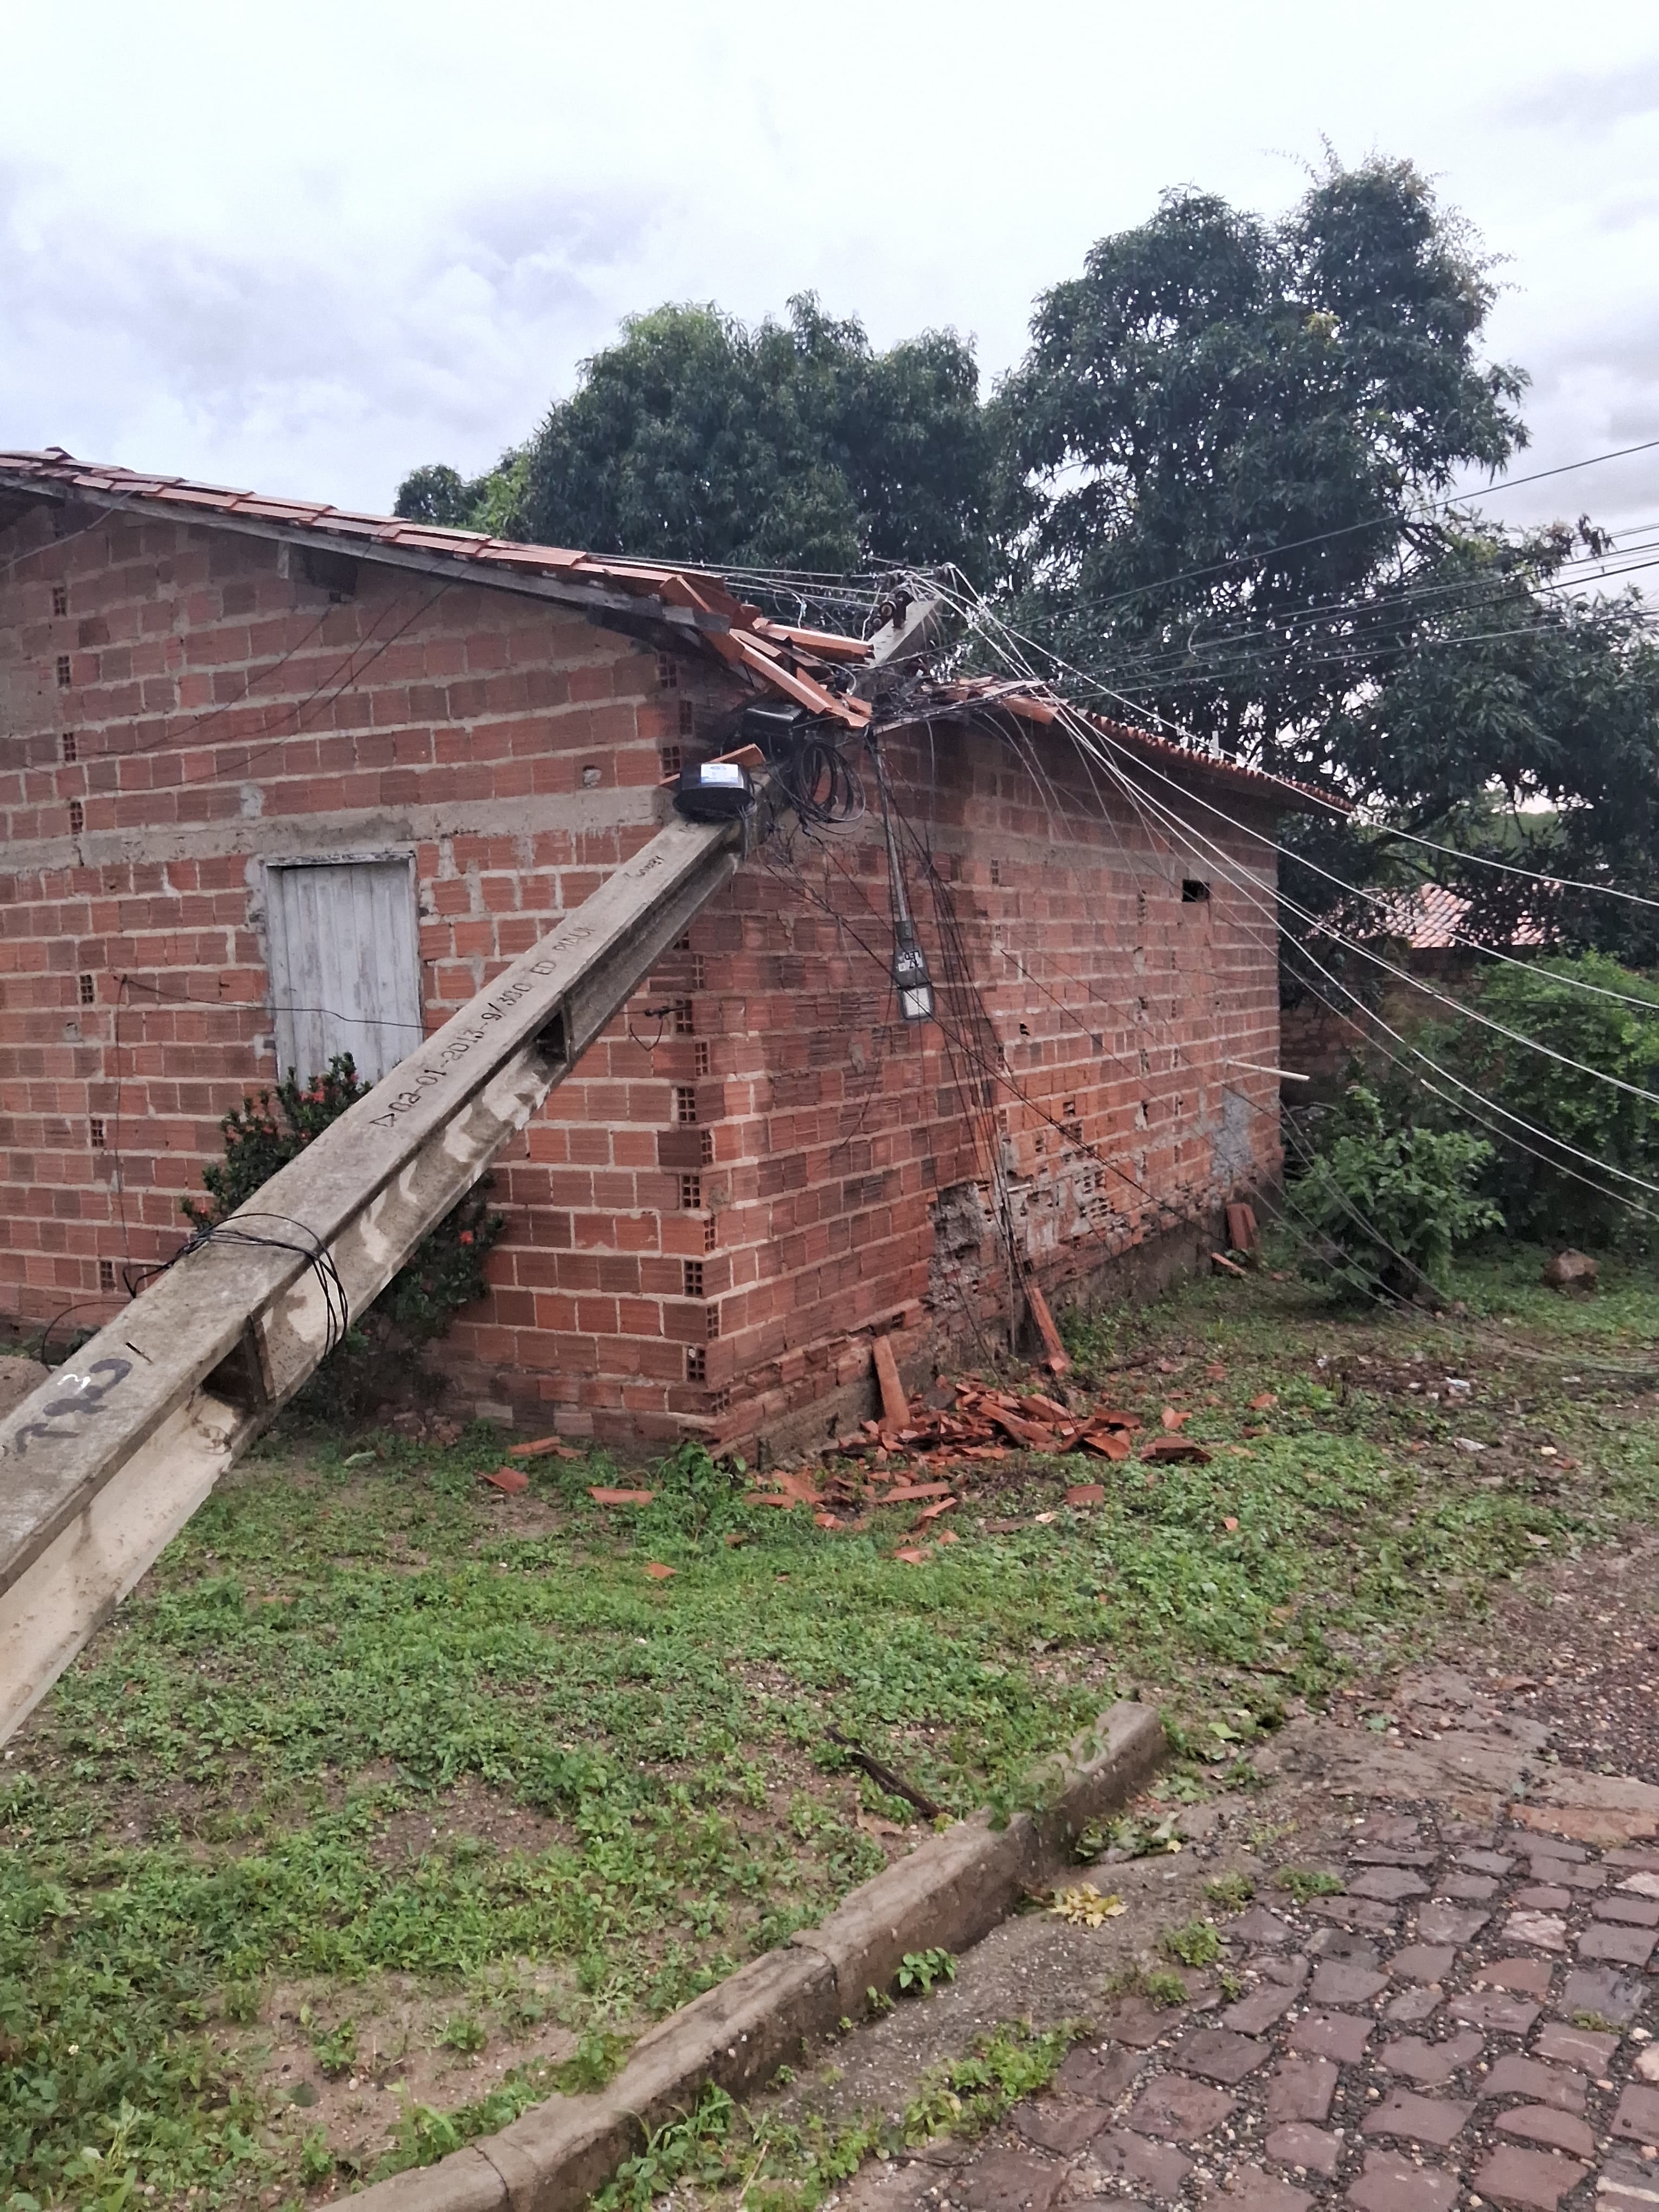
<point x="1194" y="893"/>
<point x="64" y="670"/>
<point x="95" y="1127"/>
<point x="71" y="751"/>
<point x="691" y="1193"/>
<point x="77" y="818"/>
<point x="87" y="989"/>
<point x="107" y="1274"/>
<point x="696" y="1364"/>
<point x="60" y="598"/>
<point x="685" y="1105"/>
<point x="693" y="1272"/>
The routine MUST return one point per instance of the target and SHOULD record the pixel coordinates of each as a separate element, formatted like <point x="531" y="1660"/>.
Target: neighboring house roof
<point x="810" y="667"/>
<point x="1430" y="920"/>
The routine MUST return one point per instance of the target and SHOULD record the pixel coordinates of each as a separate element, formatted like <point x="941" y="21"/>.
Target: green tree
<point x="443" y="496"/>
<point x="1560" y="1188"/>
<point x="1388" y="1203"/>
<point x="1519" y="721"/>
<point x="792" y="445"/>
<point x="1226" y="440"/>
<point x="1228" y="453"/>
<point x="445" y="1273"/>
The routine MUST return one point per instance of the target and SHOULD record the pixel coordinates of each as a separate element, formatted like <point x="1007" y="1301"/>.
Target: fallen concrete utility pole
<point x="103" y="1464"/>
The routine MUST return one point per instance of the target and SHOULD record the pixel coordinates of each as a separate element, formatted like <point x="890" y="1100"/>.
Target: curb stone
<point x="947" y="1893"/>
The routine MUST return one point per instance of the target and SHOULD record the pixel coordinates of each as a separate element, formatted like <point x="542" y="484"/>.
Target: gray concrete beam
<point x="103" y="1464"/>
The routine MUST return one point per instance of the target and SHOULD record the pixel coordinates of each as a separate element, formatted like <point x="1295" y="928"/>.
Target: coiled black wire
<point x="335" y="1305"/>
<point x="813" y="775"/>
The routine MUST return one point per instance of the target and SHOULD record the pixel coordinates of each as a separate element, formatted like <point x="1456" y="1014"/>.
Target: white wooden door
<point x="345" y="973"/>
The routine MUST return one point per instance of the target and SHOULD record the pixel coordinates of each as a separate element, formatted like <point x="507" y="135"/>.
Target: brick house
<point x="279" y="781"/>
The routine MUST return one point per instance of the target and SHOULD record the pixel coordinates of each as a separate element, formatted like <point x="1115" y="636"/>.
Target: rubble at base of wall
<point x="800" y="1401"/>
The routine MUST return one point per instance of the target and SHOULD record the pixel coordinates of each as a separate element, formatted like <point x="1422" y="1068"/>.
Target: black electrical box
<point x="713" y="791"/>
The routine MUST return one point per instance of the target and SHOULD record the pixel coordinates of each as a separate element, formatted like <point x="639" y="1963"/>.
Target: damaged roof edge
<point x="1031" y="700"/>
<point x="802" y="666"/>
<point x="810" y="668"/>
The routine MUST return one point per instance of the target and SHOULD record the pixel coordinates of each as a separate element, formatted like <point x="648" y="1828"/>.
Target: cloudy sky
<point x="302" y="249"/>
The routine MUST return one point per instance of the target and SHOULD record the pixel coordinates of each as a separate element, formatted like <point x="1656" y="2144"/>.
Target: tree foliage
<point x="789" y="445"/>
<point x="1226" y="434"/>
<point x="1218" y="485"/>
<point x="1562" y="1186"/>
<point x="1390" y="1201"/>
<point x="443" y="496"/>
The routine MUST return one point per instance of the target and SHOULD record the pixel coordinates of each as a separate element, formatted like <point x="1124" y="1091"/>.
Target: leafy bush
<point x="1545" y="1197"/>
<point x="1232" y="1891"/>
<point x="1162" y="1986"/>
<point x="1390" y="1206"/>
<point x="445" y="1272"/>
<point x="920" y="1969"/>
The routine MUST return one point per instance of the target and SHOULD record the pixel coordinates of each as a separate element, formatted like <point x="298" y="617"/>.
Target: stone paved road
<point x="1473" y="2020"/>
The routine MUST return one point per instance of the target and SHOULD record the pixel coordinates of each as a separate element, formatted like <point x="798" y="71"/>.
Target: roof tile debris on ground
<point x="973" y="1430"/>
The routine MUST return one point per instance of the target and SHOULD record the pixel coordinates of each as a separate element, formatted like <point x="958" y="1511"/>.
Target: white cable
<point x="973" y="608"/>
<point x="1083" y="731"/>
<point x="1380" y="521"/>
<point x="976" y="611"/>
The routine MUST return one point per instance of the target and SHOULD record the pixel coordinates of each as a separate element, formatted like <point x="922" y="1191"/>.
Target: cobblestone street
<point x="1472" y="2017"/>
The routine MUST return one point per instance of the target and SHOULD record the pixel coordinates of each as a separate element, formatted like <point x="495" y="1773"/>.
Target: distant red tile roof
<point x="1430" y="920"/>
<point x="806" y="666"/>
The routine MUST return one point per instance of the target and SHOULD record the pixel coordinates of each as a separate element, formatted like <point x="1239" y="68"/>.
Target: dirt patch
<point x="470" y="1810"/>
<point x="17" y="1378"/>
<point x="1580" y="1655"/>
<point x="401" y="2058"/>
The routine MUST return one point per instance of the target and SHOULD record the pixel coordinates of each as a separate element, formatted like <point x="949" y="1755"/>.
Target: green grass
<point x="367" y="1722"/>
<point x="720" y="2151"/>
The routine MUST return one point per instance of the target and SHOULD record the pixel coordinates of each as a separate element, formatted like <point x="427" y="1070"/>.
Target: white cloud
<point x="305" y="249"/>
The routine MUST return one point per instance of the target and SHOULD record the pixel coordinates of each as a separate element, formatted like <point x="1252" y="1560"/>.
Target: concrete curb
<point x="947" y="1893"/>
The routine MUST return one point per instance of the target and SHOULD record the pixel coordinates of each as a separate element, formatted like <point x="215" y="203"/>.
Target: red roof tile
<point x="808" y="666"/>
<point x="1430" y="920"/>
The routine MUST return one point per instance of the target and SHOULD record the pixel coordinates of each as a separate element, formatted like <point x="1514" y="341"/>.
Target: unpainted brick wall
<point x="714" y="1210"/>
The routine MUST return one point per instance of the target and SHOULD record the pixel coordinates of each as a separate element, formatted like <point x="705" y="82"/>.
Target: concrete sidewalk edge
<point x="948" y="1894"/>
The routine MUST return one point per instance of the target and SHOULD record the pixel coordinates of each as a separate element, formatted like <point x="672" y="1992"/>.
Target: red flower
<point x="466" y="1235"/>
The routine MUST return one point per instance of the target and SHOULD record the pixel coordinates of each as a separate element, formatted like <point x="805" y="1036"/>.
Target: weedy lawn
<point x="389" y="1804"/>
